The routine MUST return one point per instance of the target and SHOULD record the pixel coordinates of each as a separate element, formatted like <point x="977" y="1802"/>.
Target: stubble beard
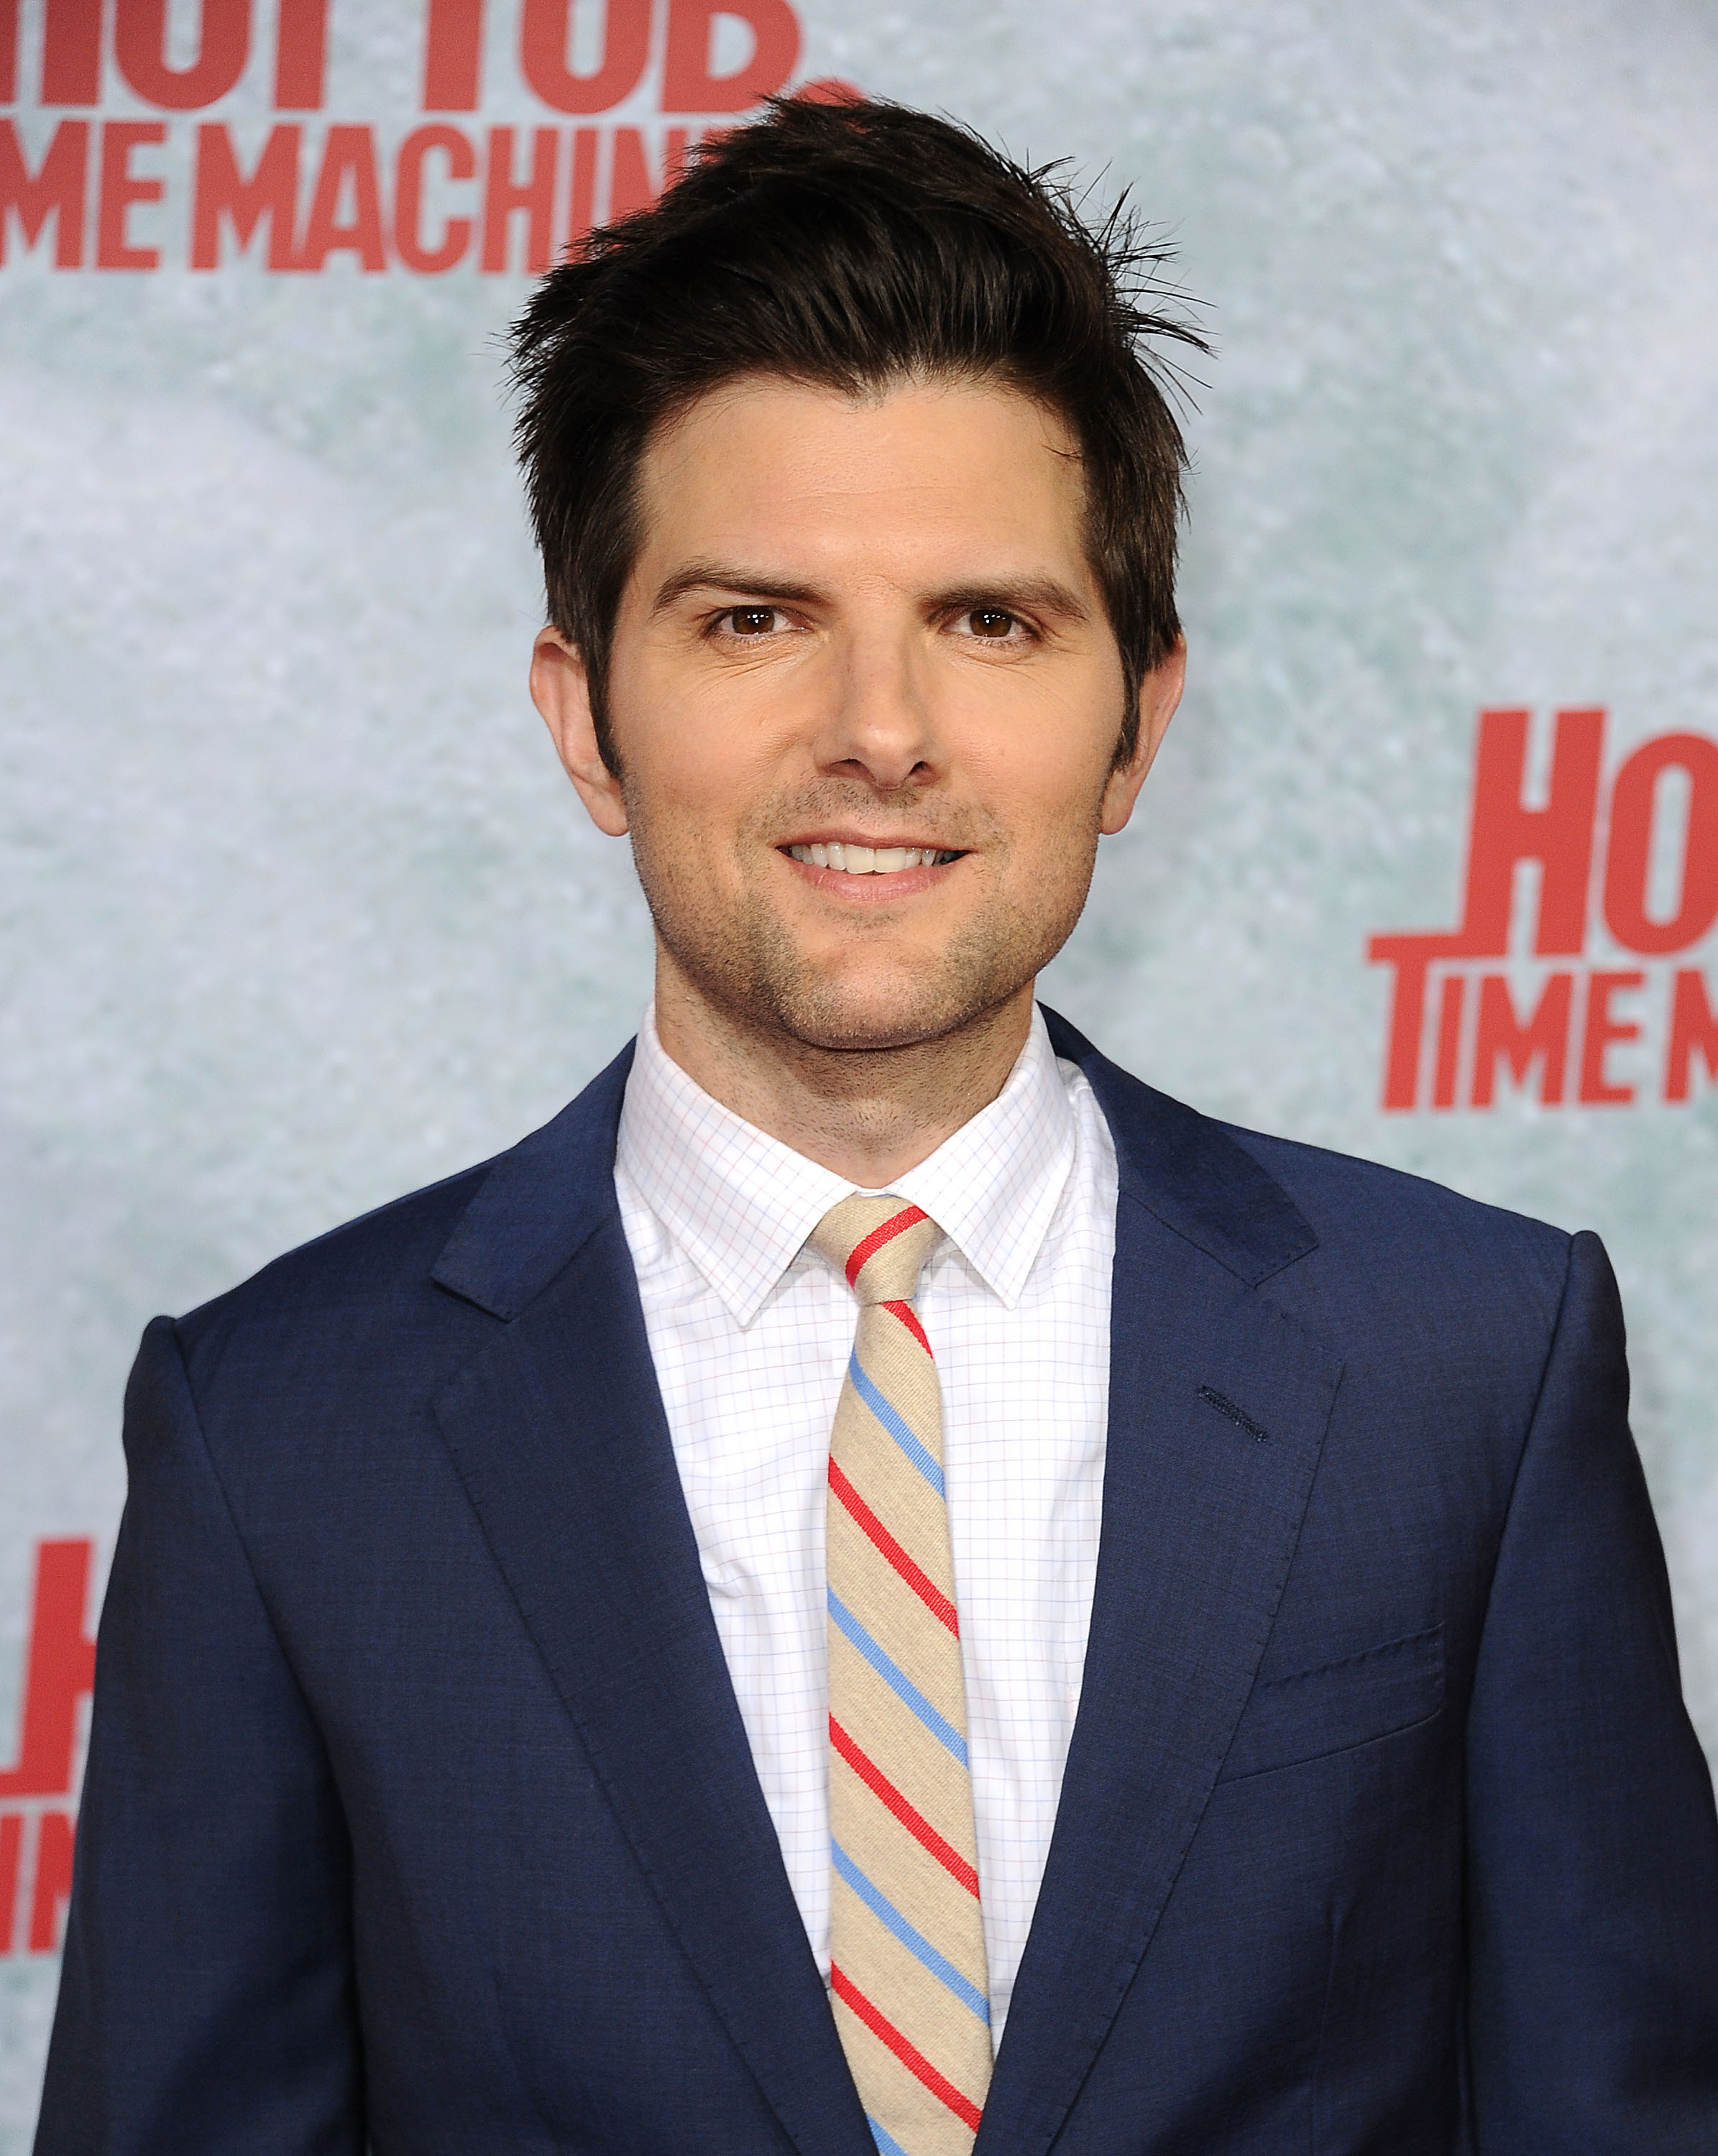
<point x="743" y="957"/>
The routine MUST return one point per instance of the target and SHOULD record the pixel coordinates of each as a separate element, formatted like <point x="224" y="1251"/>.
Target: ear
<point x="560" y="689"/>
<point x="1160" y="693"/>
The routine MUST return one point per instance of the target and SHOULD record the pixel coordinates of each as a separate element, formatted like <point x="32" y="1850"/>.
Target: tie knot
<point x="880" y="1244"/>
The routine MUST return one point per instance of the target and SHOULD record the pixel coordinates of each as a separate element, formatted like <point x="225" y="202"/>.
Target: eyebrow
<point x="730" y="577"/>
<point x="1041" y="595"/>
<point x="1031" y="595"/>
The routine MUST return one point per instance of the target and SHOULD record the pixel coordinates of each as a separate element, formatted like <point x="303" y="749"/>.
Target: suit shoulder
<point x="1265" y="1206"/>
<point x="1373" y="1219"/>
<point x="365" y="1260"/>
<point x="384" y="1288"/>
<point x="1346" y="1193"/>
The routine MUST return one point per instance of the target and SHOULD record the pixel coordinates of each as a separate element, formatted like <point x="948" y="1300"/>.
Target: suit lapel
<point x="557" y="1433"/>
<point x="1202" y="1513"/>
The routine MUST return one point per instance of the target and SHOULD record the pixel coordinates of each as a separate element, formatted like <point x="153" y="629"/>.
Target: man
<point x="878" y="1583"/>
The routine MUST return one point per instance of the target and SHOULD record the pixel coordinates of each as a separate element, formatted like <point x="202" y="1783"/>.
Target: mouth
<point x="847" y="858"/>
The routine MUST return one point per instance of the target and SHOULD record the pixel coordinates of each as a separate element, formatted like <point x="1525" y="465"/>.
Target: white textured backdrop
<point x="298" y="912"/>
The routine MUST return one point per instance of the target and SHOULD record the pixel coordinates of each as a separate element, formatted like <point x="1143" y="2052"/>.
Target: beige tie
<point x="907" y="1944"/>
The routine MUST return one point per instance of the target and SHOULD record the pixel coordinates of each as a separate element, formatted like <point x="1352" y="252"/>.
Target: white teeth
<point x="864" y="860"/>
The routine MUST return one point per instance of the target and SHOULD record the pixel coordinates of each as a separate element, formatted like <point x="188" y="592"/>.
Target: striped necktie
<point x="906" y="1945"/>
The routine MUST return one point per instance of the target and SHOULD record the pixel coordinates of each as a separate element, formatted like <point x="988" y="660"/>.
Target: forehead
<point x="920" y="475"/>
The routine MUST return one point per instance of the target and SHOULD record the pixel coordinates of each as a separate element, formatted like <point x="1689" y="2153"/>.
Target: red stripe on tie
<point x="920" y="1828"/>
<point x="897" y="1223"/>
<point x="916" y="2063"/>
<point x="903" y="1311"/>
<point x="920" y="1581"/>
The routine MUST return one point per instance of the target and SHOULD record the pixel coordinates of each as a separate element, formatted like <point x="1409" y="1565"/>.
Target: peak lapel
<point x="1202" y="1513"/>
<point x="557" y="1433"/>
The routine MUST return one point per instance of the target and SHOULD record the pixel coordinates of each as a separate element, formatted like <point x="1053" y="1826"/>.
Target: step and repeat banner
<point x="298" y="912"/>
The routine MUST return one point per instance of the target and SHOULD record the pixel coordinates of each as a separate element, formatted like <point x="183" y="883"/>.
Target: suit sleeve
<point x="1592" y="1850"/>
<point x="207" y="1999"/>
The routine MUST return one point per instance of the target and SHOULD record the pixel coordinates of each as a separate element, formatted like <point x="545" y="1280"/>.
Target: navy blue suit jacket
<point x="419" y="1816"/>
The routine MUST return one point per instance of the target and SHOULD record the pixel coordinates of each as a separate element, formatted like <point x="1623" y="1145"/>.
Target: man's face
<point x="867" y="702"/>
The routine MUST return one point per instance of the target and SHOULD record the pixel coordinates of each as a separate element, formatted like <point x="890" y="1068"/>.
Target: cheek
<point x="682" y="768"/>
<point x="1044" y="782"/>
<point x="1040" y="745"/>
<point x="698" y="753"/>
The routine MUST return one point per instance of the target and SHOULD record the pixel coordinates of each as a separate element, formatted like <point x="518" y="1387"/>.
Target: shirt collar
<point x="740" y="1204"/>
<point x="994" y="1186"/>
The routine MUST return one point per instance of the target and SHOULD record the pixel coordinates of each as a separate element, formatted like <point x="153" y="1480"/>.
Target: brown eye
<point x="753" y="621"/>
<point x="990" y="621"/>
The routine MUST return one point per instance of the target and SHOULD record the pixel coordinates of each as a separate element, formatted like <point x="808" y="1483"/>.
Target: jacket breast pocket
<point x="1291" y="1720"/>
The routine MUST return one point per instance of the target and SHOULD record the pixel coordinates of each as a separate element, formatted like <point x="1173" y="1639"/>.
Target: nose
<point x="879" y="726"/>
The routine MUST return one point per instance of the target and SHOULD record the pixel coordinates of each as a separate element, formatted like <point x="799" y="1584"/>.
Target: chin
<point x="846" y="999"/>
<point x="900" y="1010"/>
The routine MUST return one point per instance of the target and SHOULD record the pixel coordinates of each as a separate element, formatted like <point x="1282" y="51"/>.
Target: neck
<point x="866" y="1113"/>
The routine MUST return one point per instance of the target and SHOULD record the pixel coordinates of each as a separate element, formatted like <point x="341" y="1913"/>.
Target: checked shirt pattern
<point x="907" y="1972"/>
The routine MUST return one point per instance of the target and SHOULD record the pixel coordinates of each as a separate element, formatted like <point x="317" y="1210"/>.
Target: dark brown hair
<point x="849" y="245"/>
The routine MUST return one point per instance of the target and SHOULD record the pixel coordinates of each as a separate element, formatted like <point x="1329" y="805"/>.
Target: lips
<point x="869" y="860"/>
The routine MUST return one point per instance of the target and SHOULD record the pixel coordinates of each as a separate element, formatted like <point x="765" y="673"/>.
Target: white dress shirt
<point x="750" y="1332"/>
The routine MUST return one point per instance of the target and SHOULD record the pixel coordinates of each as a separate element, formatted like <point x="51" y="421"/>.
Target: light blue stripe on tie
<point x="883" y="1409"/>
<point x="887" y="2144"/>
<point x="896" y="1680"/>
<point x="890" y="1918"/>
